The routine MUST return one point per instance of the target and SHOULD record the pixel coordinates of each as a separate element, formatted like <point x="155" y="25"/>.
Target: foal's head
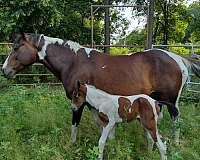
<point x="79" y="95"/>
<point x="24" y="53"/>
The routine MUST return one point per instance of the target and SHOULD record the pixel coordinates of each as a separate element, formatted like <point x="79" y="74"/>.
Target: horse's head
<point x="24" y="53"/>
<point x="79" y="95"/>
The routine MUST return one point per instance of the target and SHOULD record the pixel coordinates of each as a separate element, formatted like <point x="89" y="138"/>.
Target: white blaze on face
<point x="5" y="63"/>
<point x="48" y="40"/>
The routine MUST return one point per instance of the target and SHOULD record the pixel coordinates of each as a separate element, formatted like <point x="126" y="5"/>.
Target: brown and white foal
<point x="113" y="109"/>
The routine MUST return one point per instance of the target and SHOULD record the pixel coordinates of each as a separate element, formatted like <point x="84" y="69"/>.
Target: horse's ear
<point x="78" y="84"/>
<point x="23" y="35"/>
<point x="13" y="36"/>
<point x="21" y="32"/>
<point x="76" y="88"/>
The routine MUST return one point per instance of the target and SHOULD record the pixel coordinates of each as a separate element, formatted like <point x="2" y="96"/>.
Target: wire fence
<point x="38" y="74"/>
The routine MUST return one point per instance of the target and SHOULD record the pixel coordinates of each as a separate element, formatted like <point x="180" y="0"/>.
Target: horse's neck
<point x="96" y="97"/>
<point x="65" y="66"/>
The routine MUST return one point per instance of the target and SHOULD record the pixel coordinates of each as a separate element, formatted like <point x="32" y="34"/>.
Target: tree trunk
<point x="165" y="27"/>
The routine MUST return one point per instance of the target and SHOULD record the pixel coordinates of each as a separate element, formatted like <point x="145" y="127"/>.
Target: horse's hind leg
<point x="153" y="136"/>
<point x="157" y="96"/>
<point x="162" y="147"/>
<point x="185" y="75"/>
<point x="150" y="141"/>
<point x="76" y="117"/>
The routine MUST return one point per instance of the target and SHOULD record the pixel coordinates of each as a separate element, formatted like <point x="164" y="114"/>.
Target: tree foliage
<point x="174" y="22"/>
<point x="193" y="29"/>
<point x="69" y="19"/>
<point x="66" y="19"/>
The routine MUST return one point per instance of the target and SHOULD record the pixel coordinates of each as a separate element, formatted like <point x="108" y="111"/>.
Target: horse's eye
<point x="16" y="46"/>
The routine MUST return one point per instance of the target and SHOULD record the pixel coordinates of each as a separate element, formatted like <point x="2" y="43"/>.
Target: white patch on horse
<point x="74" y="46"/>
<point x="48" y="40"/>
<point x="88" y="50"/>
<point x="5" y="63"/>
<point x="104" y="66"/>
<point x="130" y="110"/>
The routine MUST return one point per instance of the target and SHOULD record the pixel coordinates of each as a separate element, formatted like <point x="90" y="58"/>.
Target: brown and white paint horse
<point x="113" y="109"/>
<point x="157" y="73"/>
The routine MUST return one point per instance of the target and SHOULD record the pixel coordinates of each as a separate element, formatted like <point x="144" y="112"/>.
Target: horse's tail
<point x="174" y="112"/>
<point x="193" y="62"/>
<point x="195" y="67"/>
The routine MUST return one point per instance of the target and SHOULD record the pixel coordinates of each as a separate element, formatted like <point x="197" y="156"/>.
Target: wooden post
<point x="150" y="24"/>
<point x="107" y="28"/>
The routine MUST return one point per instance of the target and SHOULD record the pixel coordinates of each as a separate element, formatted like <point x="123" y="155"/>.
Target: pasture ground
<point x="35" y="124"/>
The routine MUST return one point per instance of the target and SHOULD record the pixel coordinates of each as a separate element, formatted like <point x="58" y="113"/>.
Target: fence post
<point x="150" y="24"/>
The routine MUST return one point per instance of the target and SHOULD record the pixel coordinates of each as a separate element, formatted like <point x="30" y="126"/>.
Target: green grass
<point x="35" y="124"/>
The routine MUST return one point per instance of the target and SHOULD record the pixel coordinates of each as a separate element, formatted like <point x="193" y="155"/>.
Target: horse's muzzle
<point x="74" y="107"/>
<point x="8" y="73"/>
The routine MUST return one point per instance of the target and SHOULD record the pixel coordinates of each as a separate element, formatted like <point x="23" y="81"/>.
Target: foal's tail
<point x="174" y="112"/>
<point x="193" y="62"/>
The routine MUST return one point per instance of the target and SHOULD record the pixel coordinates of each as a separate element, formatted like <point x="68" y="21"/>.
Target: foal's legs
<point x="97" y="119"/>
<point x="112" y="134"/>
<point x="100" y="123"/>
<point x="162" y="147"/>
<point x="76" y="117"/>
<point x="150" y="141"/>
<point x="153" y="136"/>
<point x="103" y="138"/>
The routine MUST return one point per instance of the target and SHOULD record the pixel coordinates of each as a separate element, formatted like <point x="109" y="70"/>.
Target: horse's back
<point x="142" y="72"/>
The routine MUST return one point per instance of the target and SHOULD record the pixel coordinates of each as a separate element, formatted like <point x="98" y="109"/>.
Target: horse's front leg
<point x="100" y="124"/>
<point x="97" y="119"/>
<point x="103" y="138"/>
<point x="76" y="117"/>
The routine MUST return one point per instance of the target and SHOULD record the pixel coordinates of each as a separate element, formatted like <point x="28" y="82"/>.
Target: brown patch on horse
<point x="104" y="118"/>
<point x="140" y="107"/>
<point x="147" y="117"/>
<point x="127" y="111"/>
